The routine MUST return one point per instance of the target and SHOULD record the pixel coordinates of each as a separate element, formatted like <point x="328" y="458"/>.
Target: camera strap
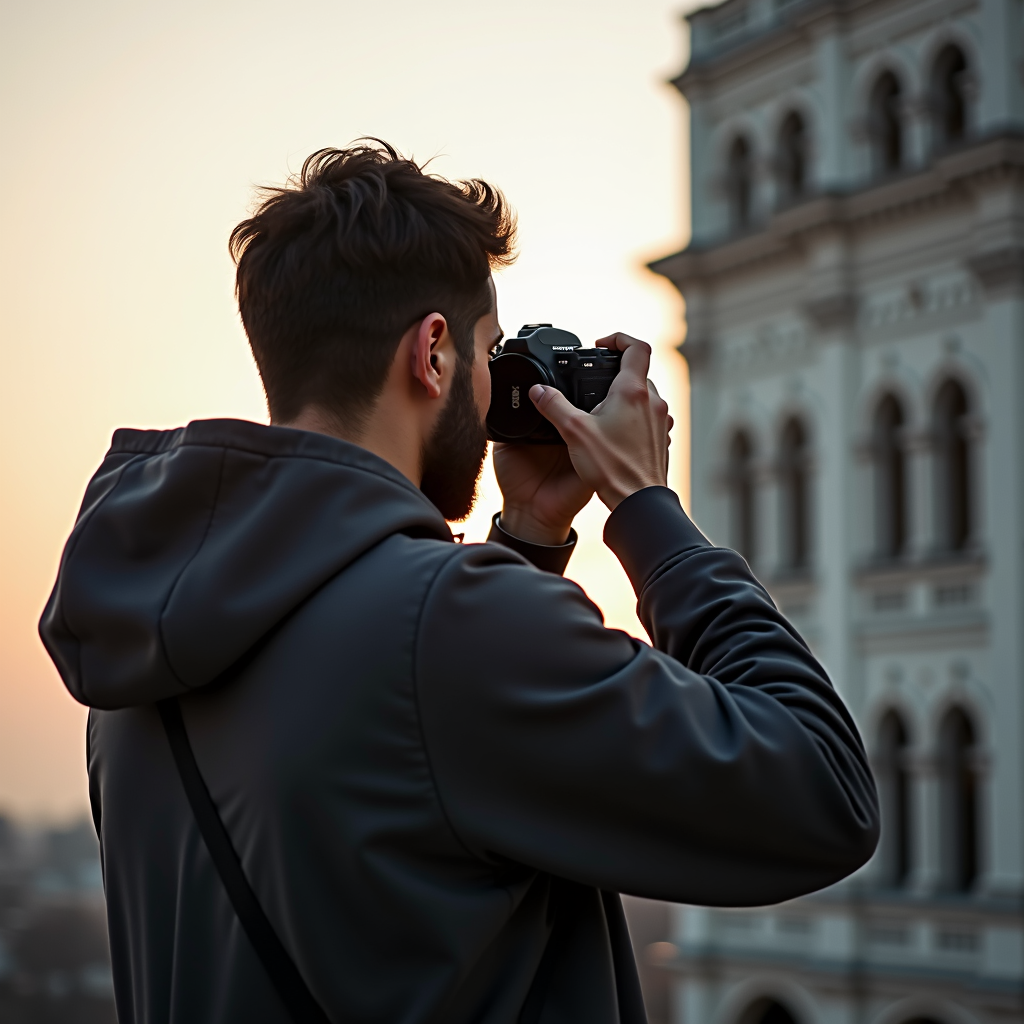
<point x="293" y="991"/>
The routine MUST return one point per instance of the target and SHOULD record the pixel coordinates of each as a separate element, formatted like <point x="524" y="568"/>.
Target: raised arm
<point x="719" y="768"/>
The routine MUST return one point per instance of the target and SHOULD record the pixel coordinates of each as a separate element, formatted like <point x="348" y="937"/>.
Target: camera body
<point x="542" y="354"/>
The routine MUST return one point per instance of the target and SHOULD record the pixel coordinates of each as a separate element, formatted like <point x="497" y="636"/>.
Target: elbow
<point x="857" y="838"/>
<point x="855" y="819"/>
<point x="861" y="848"/>
<point x="833" y="859"/>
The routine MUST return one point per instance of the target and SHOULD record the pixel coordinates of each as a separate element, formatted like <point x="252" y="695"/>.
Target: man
<point x="435" y="769"/>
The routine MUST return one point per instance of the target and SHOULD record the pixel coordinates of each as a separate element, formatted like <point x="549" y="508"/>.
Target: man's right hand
<point x="622" y="446"/>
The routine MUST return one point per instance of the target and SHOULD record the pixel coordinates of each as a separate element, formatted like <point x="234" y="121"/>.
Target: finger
<point x="618" y="341"/>
<point x="554" y="407"/>
<point x="636" y="356"/>
<point x="635" y="364"/>
<point x="658" y="404"/>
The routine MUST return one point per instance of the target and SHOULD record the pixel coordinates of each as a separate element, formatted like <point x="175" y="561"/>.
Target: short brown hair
<point x="335" y="266"/>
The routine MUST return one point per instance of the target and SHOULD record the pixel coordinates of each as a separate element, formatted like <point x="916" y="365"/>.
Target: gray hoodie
<point x="436" y="764"/>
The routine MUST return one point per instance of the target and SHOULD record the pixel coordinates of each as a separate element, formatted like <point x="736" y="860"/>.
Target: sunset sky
<point x="133" y="136"/>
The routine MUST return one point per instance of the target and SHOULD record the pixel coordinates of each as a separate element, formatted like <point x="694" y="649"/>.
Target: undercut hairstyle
<point x="335" y="266"/>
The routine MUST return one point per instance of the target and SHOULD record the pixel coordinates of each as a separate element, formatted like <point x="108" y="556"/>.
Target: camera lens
<point x="512" y="414"/>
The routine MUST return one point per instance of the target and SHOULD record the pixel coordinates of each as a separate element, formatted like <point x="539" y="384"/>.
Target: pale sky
<point x="133" y="134"/>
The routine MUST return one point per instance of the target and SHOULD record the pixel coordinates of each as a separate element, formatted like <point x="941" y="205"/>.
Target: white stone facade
<point x="855" y="333"/>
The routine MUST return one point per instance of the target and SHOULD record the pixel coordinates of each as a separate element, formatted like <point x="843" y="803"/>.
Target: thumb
<point x="553" y="406"/>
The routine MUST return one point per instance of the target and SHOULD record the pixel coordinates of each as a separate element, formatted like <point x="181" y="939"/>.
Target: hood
<point x="192" y="544"/>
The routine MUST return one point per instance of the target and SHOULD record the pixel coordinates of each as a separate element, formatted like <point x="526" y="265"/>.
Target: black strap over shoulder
<point x="284" y="975"/>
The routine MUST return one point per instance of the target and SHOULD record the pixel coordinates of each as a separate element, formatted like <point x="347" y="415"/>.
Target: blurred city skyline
<point x="134" y="137"/>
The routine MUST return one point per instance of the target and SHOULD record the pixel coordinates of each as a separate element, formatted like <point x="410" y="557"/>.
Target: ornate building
<point x="855" y="306"/>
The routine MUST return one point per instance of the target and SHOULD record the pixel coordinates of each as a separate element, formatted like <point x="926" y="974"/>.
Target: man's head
<point x="365" y="261"/>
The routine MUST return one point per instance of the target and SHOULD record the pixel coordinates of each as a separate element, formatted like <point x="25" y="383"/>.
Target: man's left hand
<point x="541" y="491"/>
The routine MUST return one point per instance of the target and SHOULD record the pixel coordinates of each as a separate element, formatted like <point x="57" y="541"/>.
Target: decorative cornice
<point x="708" y="961"/>
<point x="832" y="312"/>
<point x="696" y="351"/>
<point x="947" y="180"/>
<point x="798" y="22"/>
<point x="1000" y="270"/>
<point x="794" y="22"/>
<point x="937" y="567"/>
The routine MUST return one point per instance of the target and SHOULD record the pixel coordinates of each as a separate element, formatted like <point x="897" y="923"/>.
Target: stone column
<point x="975" y="431"/>
<point x="988" y="880"/>
<point x="863" y="524"/>
<point x="1001" y="103"/>
<point x="769" y="515"/>
<point x="915" y="115"/>
<point x="692" y="995"/>
<point x="924" y="821"/>
<point x="692" y="1001"/>
<point x="831" y="305"/>
<point x="920" y="493"/>
<point x="833" y="164"/>
<point x="708" y="213"/>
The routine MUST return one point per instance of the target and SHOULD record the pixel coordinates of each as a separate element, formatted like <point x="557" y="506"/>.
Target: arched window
<point x="792" y="158"/>
<point x="949" y="96"/>
<point x="958" y="855"/>
<point x="890" y="480"/>
<point x="739" y="184"/>
<point x="894" y="794"/>
<point x="952" y="468"/>
<point x="885" y="124"/>
<point x="794" y="494"/>
<point x="741" y="495"/>
<point x="767" y="1011"/>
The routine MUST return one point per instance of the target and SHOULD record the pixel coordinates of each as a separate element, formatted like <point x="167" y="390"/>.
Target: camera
<point x="542" y="354"/>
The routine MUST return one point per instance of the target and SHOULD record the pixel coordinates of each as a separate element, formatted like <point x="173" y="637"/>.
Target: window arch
<point x="958" y="854"/>
<point x="894" y="794"/>
<point x="794" y="492"/>
<point x="890" y="479"/>
<point x="767" y="1011"/>
<point x="885" y="124"/>
<point x="741" y="495"/>
<point x="952" y="468"/>
<point x="740" y="183"/>
<point x="792" y="158"/>
<point x="949" y="96"/>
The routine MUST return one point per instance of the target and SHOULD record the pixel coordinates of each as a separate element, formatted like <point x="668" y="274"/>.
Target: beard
<point x="454" y="455"/>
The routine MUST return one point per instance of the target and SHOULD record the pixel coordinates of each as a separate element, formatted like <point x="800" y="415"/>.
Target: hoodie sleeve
<point x="718" y="767"/>
<point x="549" y="557"/>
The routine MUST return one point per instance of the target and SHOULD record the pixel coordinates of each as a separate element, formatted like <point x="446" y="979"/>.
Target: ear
<point x="430" y="354"/>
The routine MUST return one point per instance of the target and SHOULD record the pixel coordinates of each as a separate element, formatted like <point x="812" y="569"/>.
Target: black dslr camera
<point x="542" y="354"/>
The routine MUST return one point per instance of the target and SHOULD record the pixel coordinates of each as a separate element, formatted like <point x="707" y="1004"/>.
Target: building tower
<point x="854" y="294"/>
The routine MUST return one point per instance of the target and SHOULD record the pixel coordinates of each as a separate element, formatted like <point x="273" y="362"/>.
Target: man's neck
<point x="383" y="436"/>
